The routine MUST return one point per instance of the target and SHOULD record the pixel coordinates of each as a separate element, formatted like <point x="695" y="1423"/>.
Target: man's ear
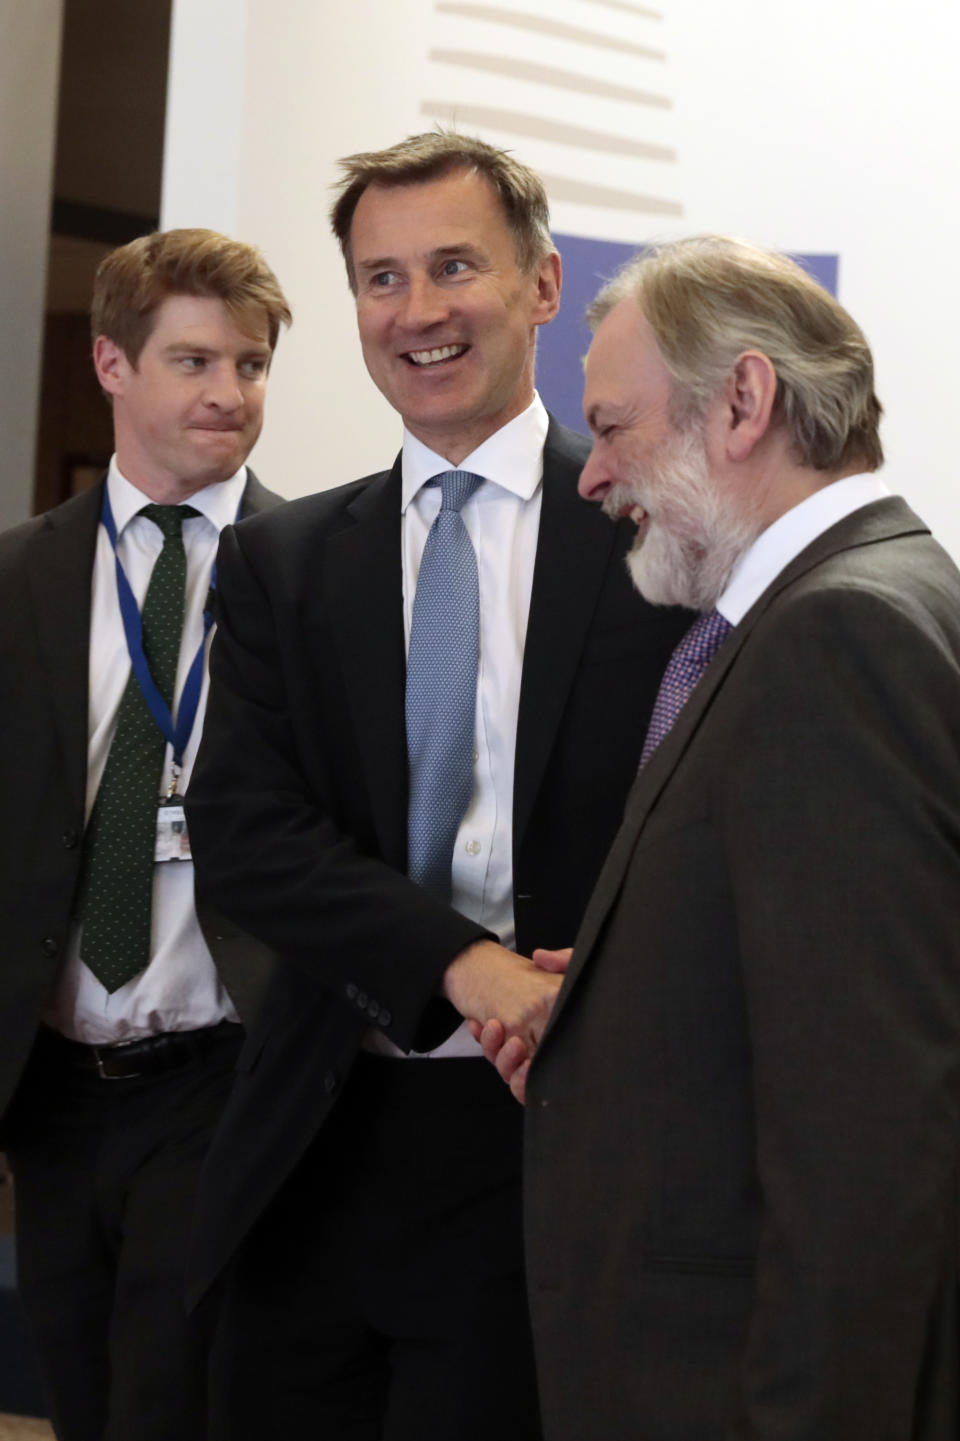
<point x="549" y="282"/>
<point x="749" y="397"/>
<point x="111" y="364"/>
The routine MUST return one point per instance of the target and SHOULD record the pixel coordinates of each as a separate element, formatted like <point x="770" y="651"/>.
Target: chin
<point x="221" y="465"/>
<point x="659" y="584"/>
<point x="690" y="571"/>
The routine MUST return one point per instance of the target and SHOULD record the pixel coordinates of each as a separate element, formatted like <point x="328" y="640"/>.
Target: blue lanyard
<point x="177" y="734"/>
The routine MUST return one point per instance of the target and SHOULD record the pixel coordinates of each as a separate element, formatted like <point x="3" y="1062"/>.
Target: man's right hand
<point x="486" y="982"/>
<point x="511" y="1054"/>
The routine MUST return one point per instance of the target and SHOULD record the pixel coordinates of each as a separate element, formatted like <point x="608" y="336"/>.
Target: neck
<point x="456" y="445"/>
<point x="173" y="494"/>
<point x="456" y="448"/>
<point x="772" y="482"/>
<point x="165" y="489"/>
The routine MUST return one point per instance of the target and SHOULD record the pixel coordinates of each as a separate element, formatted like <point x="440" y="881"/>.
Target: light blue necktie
<point x="684" y="669"/>
<point x="442" y="687"/>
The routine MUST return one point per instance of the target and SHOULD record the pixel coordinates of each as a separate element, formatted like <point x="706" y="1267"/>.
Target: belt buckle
<point x="105" y="1075"/>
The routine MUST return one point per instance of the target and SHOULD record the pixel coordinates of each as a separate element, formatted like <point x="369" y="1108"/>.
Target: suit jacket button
<point x="70" y="840"/>
<point x="352" y="991"/>
<point x="361" y="999"/>
<point x="373" y="1010"/>
<point x="329" y="1082"/>
<point x="384" y="1017"/>
<point x="49" y="946"/>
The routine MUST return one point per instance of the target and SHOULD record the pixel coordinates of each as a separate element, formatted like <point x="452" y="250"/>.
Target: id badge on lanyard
<point x="173" y="840"/>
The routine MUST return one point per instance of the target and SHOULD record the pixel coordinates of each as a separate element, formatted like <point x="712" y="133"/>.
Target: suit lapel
<point x="364" y="590"/>
<point x="59" y="565"/>
<point x="58" y="561"/>
<point x="882" y="520"/>
<point x="363" y="596"/>
<point x="256" y="497"/>
<point x="573" y="552"/>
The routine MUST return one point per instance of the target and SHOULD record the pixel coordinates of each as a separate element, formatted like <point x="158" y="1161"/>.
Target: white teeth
<point x="430" y="357"/>
<point x="637" y="514"/>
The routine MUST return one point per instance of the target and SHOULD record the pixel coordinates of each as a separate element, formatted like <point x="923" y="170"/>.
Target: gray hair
<point x="710" y="298"/>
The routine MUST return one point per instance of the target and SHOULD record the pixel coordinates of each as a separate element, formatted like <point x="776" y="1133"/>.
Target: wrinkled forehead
<point x="624" y="360"/>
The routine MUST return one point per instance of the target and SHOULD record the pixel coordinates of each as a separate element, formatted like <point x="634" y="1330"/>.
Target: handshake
<point x="508" y="1000"/>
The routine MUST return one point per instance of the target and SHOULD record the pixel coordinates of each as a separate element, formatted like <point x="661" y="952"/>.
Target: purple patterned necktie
<point x="686" y="666"/>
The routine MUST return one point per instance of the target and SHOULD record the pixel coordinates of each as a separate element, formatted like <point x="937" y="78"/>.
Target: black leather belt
<point x="149" y="1056"/>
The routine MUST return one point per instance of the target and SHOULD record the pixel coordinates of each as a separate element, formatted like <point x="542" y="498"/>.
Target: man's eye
<point x="383" y="279"/>
<point x="193" y="362"/>
<point x="454" y="267"/>
<point x="253" y="369"/>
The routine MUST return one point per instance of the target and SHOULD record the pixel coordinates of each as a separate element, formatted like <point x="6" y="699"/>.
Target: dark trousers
<point x="382" y="1295"/>
<point x="105" y="1174"/>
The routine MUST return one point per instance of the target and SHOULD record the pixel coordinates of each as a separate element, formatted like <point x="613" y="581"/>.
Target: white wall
<point x="29" y="61"/>
<point x="823" y="127"/>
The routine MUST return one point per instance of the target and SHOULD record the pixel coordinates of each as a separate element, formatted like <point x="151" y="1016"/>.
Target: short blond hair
<point x="432" y="155"/>
<point x="709" y="298"/>
<point x="134" y="280"/>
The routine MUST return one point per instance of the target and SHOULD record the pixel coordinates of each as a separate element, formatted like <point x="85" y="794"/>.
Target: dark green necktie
<point x="115" y="893"/>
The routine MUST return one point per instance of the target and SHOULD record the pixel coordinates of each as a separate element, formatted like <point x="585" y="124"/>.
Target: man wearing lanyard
<point x="118" y="1034"/>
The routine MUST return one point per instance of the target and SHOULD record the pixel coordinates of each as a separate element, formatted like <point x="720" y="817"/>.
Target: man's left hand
<point x="511" y="1055"/>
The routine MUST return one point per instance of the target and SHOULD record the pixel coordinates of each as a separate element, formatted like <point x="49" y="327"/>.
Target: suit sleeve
<point x="269" y="855"/>
<point x="842" y="828"/>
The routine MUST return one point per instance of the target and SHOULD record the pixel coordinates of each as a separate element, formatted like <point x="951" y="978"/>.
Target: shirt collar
<point x="512" y="457"/>
<point x="791" y="533"/>
<point x="220" y="503"/>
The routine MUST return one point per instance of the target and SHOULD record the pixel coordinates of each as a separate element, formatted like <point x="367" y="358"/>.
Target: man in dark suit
<point x="748" y="1093"/>
<point x="117" y="1035"/>
<point x="404" y="795"/>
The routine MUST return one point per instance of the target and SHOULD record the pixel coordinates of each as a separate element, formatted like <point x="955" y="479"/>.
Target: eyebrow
<point x="441" y="252"/>
<point x="184" y="347"/>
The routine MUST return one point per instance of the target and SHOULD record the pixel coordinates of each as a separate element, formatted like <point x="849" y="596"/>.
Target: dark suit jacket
<point x="46" y="567"/>
<point x="298" y="803"/>
<point x="742" y="1124"/>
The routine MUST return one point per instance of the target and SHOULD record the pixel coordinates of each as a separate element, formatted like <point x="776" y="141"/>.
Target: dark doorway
<point x="107" y="177"/>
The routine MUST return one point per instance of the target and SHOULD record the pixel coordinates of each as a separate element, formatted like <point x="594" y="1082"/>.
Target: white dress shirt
<point x="180" y="989"/>
<point x="502" y="518"/>
<point x="776" y="547"/>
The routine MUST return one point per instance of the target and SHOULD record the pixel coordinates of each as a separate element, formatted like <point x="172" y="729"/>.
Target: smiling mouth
<point x="625" y="510"/>
<point x="438" y="356"/>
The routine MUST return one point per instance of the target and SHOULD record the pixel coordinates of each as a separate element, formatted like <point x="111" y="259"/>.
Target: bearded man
<point x="755" y="1055"/>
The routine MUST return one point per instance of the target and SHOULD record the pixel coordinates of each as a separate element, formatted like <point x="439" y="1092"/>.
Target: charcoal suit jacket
<point x="298" y="802"/>
<point x="46" y="568"/>
<point x="748" y="1094"/>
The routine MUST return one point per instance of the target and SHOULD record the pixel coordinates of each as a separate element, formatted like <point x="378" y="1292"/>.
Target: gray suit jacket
<point x="45" y="577"/>
<point x="744" y="1120"/>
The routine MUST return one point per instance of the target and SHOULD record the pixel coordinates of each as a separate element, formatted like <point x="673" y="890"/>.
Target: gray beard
<point x="693" y="539"/>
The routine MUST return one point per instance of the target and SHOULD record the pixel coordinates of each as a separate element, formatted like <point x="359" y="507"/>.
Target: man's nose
<point x="223" y="388"/>
<point x="594" y="480"/>
<point x="426" y="304"/>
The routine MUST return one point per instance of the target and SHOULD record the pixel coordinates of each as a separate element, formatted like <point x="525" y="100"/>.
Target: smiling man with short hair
<point x="403" y="789"/>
